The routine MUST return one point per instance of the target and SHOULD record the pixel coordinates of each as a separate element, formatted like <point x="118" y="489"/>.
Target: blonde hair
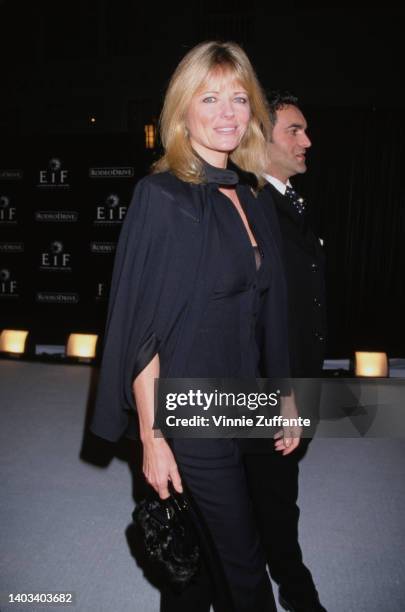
<point x="187" y="79"/>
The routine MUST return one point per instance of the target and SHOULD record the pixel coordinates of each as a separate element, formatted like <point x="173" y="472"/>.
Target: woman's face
<point x="217" y="118"/>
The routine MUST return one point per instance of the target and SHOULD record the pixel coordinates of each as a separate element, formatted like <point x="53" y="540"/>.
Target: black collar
<point x="228" y="177"/>
<point x="219" y="176"/>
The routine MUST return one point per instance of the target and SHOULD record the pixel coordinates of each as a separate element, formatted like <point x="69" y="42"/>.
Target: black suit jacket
<point x="304" y="263"/>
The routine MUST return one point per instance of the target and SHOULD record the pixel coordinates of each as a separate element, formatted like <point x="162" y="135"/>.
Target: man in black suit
<point x="275" y="501"/>
<point x="303" y="253"/>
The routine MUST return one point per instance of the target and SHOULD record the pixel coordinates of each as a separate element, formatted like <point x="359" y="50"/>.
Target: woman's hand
<point x="288" y="438"/>
<point x="285" y="441"/>
<point x="159" y="466"/>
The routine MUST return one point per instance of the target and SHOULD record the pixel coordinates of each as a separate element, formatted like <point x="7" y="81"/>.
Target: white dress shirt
<point x="279" y="185"/>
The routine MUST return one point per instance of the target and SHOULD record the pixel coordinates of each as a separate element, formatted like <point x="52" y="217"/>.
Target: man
<point x="303" y="254"/>
<point x="273" y="476"/>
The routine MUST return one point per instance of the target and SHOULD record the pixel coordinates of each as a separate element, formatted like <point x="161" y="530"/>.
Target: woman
<point x="198" y="291"/>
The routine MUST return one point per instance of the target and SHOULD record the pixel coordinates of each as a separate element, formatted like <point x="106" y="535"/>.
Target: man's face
<point x="288" y="144"/>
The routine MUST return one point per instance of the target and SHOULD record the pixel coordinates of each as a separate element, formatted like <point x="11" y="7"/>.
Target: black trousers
<point x="273" y="485"/>
<point x="214" y="474"/>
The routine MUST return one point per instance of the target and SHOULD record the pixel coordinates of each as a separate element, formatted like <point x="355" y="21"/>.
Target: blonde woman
<point x="198" y="292"/>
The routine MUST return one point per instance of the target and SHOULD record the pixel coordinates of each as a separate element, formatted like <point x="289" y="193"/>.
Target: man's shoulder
<point x="269" y="196"/>
<point x="282" y="205"/>
<point x="272" y="192"/>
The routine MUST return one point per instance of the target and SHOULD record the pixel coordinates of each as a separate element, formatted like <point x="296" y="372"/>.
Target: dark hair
<point x="277" y="100"/>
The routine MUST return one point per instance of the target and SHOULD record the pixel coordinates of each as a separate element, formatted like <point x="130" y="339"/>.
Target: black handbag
<point x="169" y="536"/>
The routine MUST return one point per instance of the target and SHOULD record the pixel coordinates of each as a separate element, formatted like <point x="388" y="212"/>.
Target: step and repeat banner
<point x="62" y="205"/>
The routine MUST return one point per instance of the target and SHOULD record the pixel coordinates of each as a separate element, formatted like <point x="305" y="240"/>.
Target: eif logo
<point x="8" y="213"/>
<point x="55" y="258"/>
<point x="110" y="212"/>
<point x="54" y="175"/>
<point x="8" y="286"/>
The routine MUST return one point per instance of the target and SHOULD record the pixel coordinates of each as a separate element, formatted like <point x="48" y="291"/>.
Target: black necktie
<point x="296" y="200"/>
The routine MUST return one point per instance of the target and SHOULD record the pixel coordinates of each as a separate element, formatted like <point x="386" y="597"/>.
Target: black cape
<point x="164" y="274"/>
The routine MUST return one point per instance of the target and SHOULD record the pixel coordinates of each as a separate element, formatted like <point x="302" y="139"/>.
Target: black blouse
<point x="226" y="345"/>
